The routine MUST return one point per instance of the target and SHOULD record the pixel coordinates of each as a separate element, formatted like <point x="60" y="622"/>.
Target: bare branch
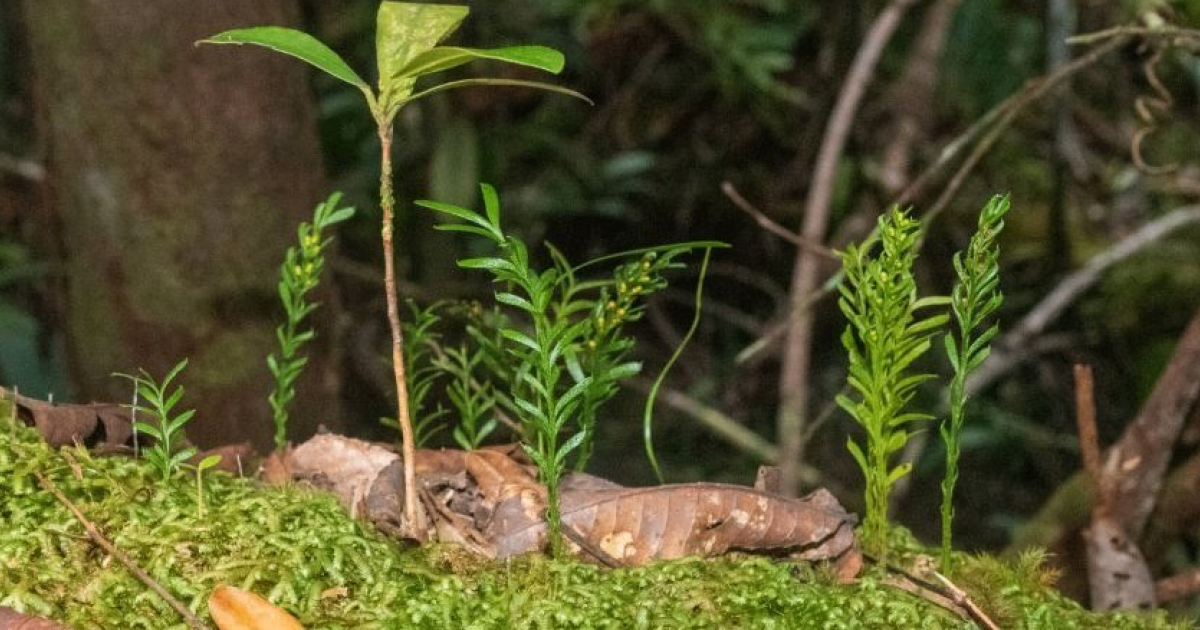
<point x="768" y="224"/>
<point x="1007" y="349"/>
<point x="797" y="352"/>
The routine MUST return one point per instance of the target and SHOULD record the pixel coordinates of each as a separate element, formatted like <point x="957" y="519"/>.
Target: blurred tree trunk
<point x="176" y="177"/>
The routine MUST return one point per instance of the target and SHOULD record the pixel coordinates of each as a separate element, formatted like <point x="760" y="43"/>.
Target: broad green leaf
<point x="298" y="44"/>
<point x="208" y="462"/>
<point x="537" y="85"/>
<point x="403" y="31"/>
<point x="444" y="58"/>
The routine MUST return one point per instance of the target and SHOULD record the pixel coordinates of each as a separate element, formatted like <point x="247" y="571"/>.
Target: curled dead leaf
<point x="13" y="620"/>
<point x="232" y="608"/>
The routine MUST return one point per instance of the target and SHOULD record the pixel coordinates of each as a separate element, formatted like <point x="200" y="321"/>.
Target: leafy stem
<point x="299" y="274"/>
<point x="166" y="428"/>
<point x="975" y="297"/>
<point x="883" y="339"/>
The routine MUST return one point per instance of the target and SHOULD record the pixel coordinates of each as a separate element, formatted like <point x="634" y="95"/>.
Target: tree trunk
<point x="177" y="176"/>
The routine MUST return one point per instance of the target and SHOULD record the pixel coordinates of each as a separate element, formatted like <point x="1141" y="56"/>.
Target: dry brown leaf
<point x="633" y="526"/>
<point x="96" y="424"/>
<point x="235" y="609"/>
<point x="13" y="620"/>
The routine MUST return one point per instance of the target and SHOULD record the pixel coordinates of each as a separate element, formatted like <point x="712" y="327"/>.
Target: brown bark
<point x="177" y="176"/>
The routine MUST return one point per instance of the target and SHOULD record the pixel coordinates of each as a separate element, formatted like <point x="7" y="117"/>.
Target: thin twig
<point x="1177" y="586"/>
<point x="769" y="224"/>
<point x="797" y="352"/>
<point x="998" y="116"/>
<point x="94" y="533"/>
<point x="1006" y="349"/>
<point x="959" y="596"/>
<point x="1089" y="440"/>
<point x="1136" y="31"/>
<point x="1035" y="91"/>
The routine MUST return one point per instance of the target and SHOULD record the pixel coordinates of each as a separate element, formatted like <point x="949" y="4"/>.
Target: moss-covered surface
<point x="304" y="553"/>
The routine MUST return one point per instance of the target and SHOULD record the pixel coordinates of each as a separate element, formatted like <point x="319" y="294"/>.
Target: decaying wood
<point x="1118" y="575"/>
<point x="13" y="620"/>
<point x="493" y="502"/>
<point x="1138" y="462"/>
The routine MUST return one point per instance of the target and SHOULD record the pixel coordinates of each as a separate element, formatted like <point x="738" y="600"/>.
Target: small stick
<point x="1177" y="586"/>
<point x="1089" y="442"/>
<point x="94" y="533"/>
<point x="959" y="596"/>
<point x="770" y="225"/>
<point x="949" y="596"/>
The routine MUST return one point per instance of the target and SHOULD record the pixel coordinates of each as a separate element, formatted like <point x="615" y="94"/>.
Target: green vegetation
<point x="299" y="274"/>
<point x="883" y="339"/>
<point x="561" y="361"/>
<point x="165" y="454"/>
<point x="406" y="39"/>
<point x="975" y="297"/>
<point x="300" y="550"/>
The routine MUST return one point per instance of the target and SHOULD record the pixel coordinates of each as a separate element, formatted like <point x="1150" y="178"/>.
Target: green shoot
<point x="407" y="37"/>
<point x="299" y="274"/>
<point x="474" y="401"/>
<point x="554" y="372"/>
<point x="975" y="297"/>
<point x="200" y="467"/>
<point x="166" y="429"/>
<point x="422" y="374"/>
<point x="883" y="339"/>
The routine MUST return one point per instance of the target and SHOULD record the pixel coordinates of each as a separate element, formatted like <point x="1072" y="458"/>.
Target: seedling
<point x="565" y="363"/>
<point x="299" y="274"/>
<point x="975" y="297"/>
<point x="199" y="468"/>
<point x="406" y="40"/>
<point x="883" y="339"/>
<point x="166" y="429"/>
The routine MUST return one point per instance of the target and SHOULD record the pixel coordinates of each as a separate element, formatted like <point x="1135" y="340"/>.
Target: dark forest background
<point x="148" y="189"/>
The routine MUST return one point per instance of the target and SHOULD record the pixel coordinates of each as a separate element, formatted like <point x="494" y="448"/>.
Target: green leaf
<point x="537" y="85"/>
<point x="298" y="44"/>
<point x="403" y="31"/>
<point x="511" y="299"/>
<point x="446" y="57"/>
<point x="208" y="462"/>
<point x="491" y="205"/>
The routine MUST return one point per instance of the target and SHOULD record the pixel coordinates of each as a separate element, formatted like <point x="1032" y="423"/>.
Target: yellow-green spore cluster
<point x="298" y="548"/>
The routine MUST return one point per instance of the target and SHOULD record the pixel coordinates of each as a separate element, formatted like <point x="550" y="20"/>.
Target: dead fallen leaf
<point x="13" y="620"/>
<point x="95" y="424"/>
<point x="235" y="609"/>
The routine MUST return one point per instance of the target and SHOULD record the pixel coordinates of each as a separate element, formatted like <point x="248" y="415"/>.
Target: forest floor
<point x="299" y="548"/>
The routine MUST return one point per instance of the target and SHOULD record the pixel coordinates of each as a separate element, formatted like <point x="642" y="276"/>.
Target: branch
<point x="797" y="353"/>
<point x="1177" y="586"/>
<point x="768" y="224"/>
<point x="1000" y="116"/>
<point x="1008" y="350"/>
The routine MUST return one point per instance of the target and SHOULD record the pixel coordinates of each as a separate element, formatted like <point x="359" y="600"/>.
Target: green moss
<point x="299" y="549"/>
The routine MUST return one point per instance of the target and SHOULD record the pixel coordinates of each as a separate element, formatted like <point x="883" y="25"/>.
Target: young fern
<point x="419" y="347"/>
<point x="975" y="298"/>
<point x="165" y="455"/>
<point x="883" y="339"/>
<point x="547" y="402"/>
<point x="554" y="372"/>
<point x="299" y="274"/>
